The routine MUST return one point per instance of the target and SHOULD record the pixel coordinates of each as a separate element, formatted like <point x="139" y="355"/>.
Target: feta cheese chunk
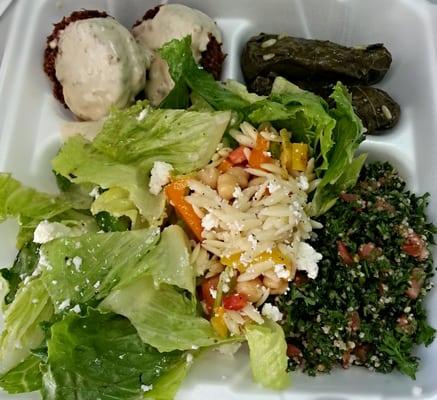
<point x="159" y="176"/>
<point x="272" y="312"/>
<point x="307" y="259"/>
<point x="210" y="221"/>
<point x="47" y="231"/>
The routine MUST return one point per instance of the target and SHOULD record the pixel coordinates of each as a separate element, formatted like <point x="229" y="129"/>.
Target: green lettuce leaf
<point x="142" y="135"/>
<point x="4" y="290"/>
<point x="117" y="203"/>
<point x="24" y="265"/>
<point x="167" y="386"/>
<point x="101" y="356"/>
<point x="81" y="269"/>
<point x="187" y="74"/>
<point x="28" y="205"/>
<point x="80" y="162"/>
<point x="348" y="134"/>
<point x="21" y="331"/>
<point x="268" y="354"/>
<point x="20" y="201"/>
<point x="304" y="113"/>
<point x="25" y="377"/>
<point x="169" y="261"/>
<point x="163" y="316"/>
<point x="324" y="199"/>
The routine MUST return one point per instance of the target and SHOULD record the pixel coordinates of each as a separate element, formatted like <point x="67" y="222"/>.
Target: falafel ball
<point x="175" y="21"/>
<point x="94" y="63"/>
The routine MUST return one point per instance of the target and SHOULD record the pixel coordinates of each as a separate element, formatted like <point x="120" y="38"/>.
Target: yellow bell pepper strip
<point x="218" y="322"/>
<point x="294" y="156"/>
<point x="286" y="151"/>
<point x="259" y="155"/>
<point x="275" y="255"/>
<point x="175" y="193"/>
<point x="299" y="156"/>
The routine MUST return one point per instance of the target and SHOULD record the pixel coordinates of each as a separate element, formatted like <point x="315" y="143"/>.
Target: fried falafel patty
<point x="175" y="21"/>
<point x="94" y="63"/>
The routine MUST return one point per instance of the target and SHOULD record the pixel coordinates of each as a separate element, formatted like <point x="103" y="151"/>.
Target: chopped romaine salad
<point x="176" y="231"/>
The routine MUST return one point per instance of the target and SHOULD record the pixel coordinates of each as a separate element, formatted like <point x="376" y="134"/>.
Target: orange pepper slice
<point x="175" y="193"/>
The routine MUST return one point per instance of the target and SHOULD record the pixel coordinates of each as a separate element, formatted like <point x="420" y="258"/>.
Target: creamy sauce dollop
<point x="99" y="65"/>
<point x="173" y="21"/>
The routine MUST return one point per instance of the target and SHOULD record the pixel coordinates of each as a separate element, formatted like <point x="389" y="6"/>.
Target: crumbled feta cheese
<point x="307" y="259"/>
<point x="189" y="358"/>
<point x="65" y="304"/>
<point x="76" y="309"/>
<point x="97" y="285"/>
<point x="281" y="271"/>
<point x="209" y="222"/>
<point x="252" y="240"/>
<point x="271" y="311"/>
<point x="142" y="114"/>
<point x="77" y="262"/>
<point x="237" y="192"/>
<point x="273" y="186"/>
<point x="416" y="391"/>
<point x="302" y="182"/>
<point x="47" y="231"/>
<point x="146" y="388"/>
<point x="225" y="288"/>
<point x="95" y="192"/>
<point x="159" y="176"/>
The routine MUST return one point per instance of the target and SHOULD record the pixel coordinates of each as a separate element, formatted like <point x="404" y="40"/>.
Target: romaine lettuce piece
<point x="25" y="377"/>
<point x="187" y="74"/>
<point x="310" y="118"/>
<point x="28" y="205"/>
<point x="343" y="171"/>
<point x="142" y="135"/>
<point x="81" y="269"/>
<point x="80" y="162"/>
<point x="117" y="203"/>
<point x="167" y="386"/>
<point x="4" y="290"/>
<point x="101" y="356"/>
<point x="268" y="354"/>
<point x="169" y="261"/>
<point x="24" y="265"/>
<point x="17" y="200"/>
<point x="324" y="199"/>
<point x="21" y="331"/>
<point x="163" y="316"/>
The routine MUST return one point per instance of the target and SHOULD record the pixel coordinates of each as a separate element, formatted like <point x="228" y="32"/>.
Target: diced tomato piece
<point x="415" y="246"/>
<point x="237" y="156"/>
<point x="354" y="321"/>
<point x="234" y="302"/>
<point x="300" y="278"/>
<point x="293" y="351"/>
<point x="368" y="251"/>
<point x="361" y="351"/>
<point x="208" y="287"/>
<point x="344" y="254"/>
<point x="346" y="359"/>
<point x="417" y="278"/>
<point x="348" y="197"/>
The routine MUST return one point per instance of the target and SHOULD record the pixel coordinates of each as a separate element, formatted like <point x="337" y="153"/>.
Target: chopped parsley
<point x="366" y="306"/>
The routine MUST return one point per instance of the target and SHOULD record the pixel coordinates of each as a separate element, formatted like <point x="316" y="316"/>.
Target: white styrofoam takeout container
<point x="30" y="118"/>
